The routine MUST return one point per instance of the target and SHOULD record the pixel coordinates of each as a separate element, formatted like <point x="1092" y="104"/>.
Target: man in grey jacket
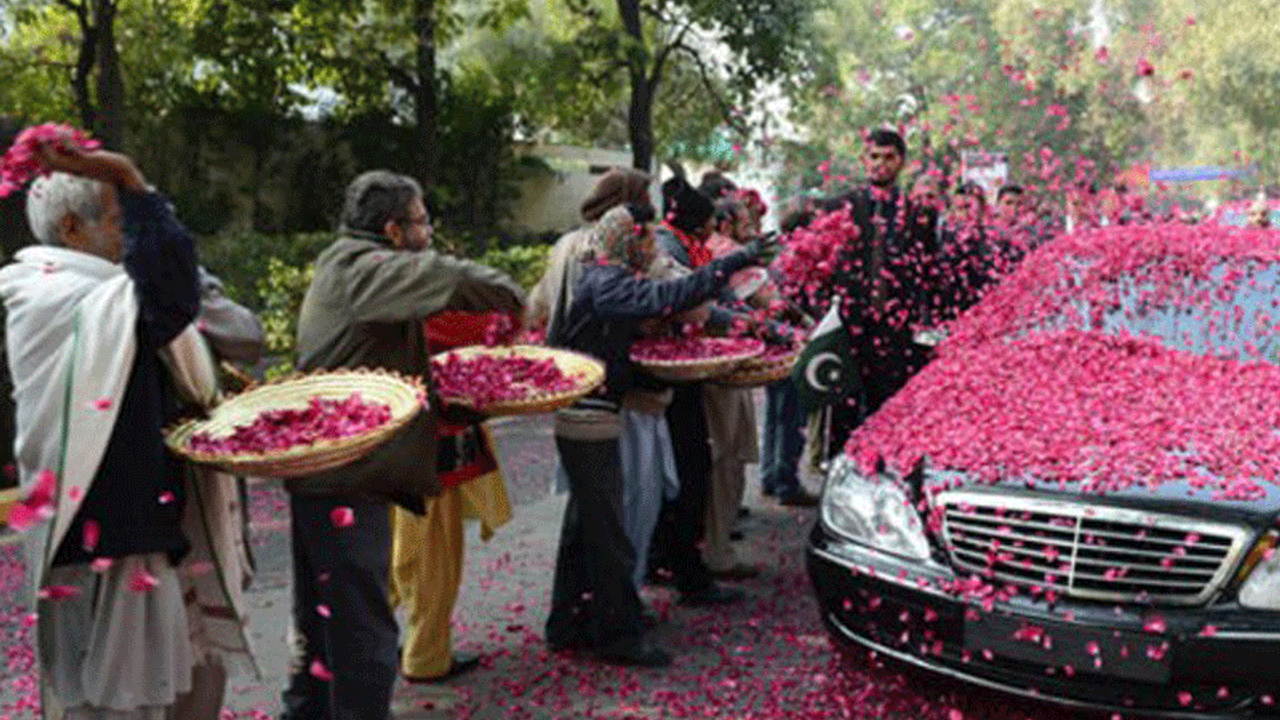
<point x="372" y="289"/>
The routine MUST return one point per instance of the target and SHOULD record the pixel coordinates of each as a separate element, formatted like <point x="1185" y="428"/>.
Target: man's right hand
<point x="766" y="249"/>
<point x="64" y="154"/>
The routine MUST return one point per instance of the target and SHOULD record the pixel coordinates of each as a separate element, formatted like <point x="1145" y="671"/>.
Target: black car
<point x="1077" y="500"/>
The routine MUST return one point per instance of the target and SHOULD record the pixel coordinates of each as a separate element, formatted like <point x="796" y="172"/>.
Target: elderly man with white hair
<point x="101" y="342"/>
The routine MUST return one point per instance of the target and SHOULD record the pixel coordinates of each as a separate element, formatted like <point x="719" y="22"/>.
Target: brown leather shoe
<point x="800" y="498"/>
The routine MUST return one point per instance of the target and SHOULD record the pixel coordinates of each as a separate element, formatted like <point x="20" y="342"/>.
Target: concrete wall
<point x="550" y="198"/>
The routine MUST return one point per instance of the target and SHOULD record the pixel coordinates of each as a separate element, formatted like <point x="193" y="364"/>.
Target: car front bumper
<point x="1204" y="664"/>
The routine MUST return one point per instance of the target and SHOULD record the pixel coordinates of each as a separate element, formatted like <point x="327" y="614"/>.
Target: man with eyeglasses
<point x="371" y="291"/>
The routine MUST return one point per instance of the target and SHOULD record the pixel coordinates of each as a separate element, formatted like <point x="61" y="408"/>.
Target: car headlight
<point x="1261" y="573"/>
<point x="873" y="510"/>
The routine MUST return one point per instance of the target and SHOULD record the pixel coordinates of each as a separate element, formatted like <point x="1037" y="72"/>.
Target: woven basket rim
<point x="537" y="402"/>
<point x="313" y="457"/>
<point x="699" y="362"/>
<point x="764" y="373"/>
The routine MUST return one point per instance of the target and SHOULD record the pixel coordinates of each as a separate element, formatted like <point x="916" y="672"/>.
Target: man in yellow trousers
<point x="426" y="550"/>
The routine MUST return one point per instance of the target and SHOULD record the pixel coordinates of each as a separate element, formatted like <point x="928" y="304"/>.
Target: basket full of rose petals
<point x="774" y="364"/>
<point x="514" y="379"/>
<point x="301" y="425"/>
<point x="693" y="358"/>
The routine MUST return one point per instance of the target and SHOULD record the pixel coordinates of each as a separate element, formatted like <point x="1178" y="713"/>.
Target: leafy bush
<point x="282" y="290"/>
<point x="242" y="259"/>
<point x="524" y="263"/>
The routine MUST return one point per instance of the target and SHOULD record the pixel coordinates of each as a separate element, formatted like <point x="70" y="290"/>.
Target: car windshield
<point x="1231" y="312"/>
<point x="1204" y="289"/>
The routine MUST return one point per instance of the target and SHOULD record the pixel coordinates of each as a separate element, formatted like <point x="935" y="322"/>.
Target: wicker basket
<point x="761" y="371"/>
<point x="699" y="369"/>
<point x="587" y="371"/>
<point x="405" y="397"/>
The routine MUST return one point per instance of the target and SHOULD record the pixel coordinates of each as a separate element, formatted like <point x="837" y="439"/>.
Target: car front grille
<point x="1090" y="551"/>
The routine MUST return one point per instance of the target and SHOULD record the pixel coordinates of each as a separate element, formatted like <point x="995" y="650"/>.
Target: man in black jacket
<point x="888" y="281"/>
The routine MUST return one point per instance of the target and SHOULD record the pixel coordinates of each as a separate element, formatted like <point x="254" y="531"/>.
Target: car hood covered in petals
<point x="1137" y="363"/>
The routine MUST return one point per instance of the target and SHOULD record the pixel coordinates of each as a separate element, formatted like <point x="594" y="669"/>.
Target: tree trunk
<point x="426" y="110"/>
<point x="640" y="122"/>
<point x="87" y="55"/>
<point x="640" y="113"/>
<point x="110" y="109"/>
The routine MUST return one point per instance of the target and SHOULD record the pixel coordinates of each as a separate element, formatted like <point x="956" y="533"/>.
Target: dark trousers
<point x="783" y="440"/>
<point x="683" y="519"/>
<point x="593" y="598"/>
<point x="346" y="570"/>
<point x="890" y="365"/>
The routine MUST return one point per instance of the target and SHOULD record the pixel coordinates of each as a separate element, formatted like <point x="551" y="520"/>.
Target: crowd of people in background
<point x="112" y="327"/>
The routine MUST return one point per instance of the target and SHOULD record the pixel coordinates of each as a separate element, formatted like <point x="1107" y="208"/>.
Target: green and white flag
<point x="825" y="372"/>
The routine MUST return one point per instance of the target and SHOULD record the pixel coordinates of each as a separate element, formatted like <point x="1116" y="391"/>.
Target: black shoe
<point x="800" y="498"/>
<point x="737" y="571"/>
<point x="573" y="644"/>
<point x="735" y="534"/>
<point x="712" y="595"/>
<point x="458" y="665"/>
<point x="744" y="513"/>
<point x="637" y="655"/>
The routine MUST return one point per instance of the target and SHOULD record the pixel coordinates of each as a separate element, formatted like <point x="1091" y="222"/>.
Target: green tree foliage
<point x="714" y="53"/>
<point x="954" y="75"/>
<point x="1073" y="91"/>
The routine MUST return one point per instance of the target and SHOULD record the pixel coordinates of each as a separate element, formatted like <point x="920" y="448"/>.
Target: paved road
<point x="766" y="657"/>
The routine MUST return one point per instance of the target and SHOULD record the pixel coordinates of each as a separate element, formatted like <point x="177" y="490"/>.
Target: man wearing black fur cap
<point x="688" y="223"/>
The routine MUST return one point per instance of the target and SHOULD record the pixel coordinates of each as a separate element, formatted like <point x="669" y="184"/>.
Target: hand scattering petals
<point x="20" y="162"/>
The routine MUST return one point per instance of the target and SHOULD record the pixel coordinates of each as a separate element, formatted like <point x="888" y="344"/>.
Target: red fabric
<point x="699" y="253"/>
<point x="453" y="329"/>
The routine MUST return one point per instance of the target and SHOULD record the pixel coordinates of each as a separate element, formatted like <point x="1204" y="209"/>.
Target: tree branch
<point x="601" y="76"/>
<point x="398" y="75"/>
<point x="660" y="59"/>
<point x="81" y="11"/>
<point x="726" y="110"/>
<point x="17" y="64"/>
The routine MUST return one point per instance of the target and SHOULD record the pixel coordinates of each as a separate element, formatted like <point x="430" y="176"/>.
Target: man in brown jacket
<point x="372" y="288"/>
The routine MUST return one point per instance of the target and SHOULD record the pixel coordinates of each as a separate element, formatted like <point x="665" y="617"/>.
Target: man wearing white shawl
<point x="94" y="316"/>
